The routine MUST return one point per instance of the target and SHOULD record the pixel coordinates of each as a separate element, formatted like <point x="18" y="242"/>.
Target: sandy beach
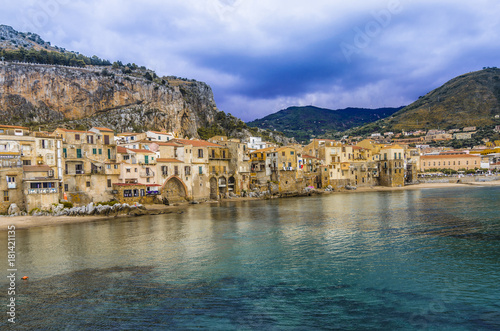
<point x="24" y="222"/>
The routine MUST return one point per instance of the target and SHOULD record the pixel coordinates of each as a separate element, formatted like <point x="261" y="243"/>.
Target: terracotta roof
<point x="102" y="129"/>
<point x="120" y="149"/>
<point x="140" y="150"/>
<point x="168" y="160"/>
<point x="448" y="156"/>
<point x="196" y="143"/>
<point x="173" y="143"/>
<point x="148" y="185"/>
<point x="14" y="127"/>
<point x="36" y="168"/>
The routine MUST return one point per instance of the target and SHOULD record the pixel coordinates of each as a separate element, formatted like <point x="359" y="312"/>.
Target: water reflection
<point x="343" y="260"/>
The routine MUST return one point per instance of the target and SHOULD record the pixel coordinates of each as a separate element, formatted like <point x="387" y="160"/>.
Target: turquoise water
<point x="420" y="259"/>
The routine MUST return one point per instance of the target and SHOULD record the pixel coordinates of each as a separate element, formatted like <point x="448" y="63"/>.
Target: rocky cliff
<point x="32" y="94"/>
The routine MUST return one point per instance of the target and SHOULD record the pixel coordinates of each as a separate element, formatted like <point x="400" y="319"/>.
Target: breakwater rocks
<point x="89" y="210"/>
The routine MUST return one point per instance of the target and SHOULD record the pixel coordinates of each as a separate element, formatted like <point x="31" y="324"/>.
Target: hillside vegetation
<point x="471" y="99"/>
<point x="308" y="122"/>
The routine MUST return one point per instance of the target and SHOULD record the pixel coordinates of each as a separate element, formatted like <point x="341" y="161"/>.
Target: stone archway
<point x="213" y="188"/>
<point x="222" y="186"/>
<point x="231" y="184"/>
<point x="174" y="190"/>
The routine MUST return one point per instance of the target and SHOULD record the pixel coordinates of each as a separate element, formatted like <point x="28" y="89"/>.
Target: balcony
<point x="76" y="172"/>
<point x="147" y="174"/>
<point x="42" y="190"/>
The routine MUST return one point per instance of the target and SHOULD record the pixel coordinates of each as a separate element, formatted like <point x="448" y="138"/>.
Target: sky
<point x="263" y="56"/>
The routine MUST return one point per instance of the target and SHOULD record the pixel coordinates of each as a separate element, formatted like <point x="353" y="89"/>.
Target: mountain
<point x="472" y="99"/>
<point x="304" y="123"/>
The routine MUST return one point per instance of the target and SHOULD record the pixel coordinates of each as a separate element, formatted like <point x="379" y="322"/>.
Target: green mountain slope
<point x="472" y="99"/>
<point x="304" y="123"/>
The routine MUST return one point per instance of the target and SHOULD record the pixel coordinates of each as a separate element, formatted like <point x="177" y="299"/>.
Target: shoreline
<point x="26" y="222"/>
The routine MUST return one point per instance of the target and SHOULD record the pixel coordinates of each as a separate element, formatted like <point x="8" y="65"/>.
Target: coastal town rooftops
<point x="197" y="143"/>
<point x="102" y="129"/>
<point x="170" y="143"/>
<point x="13" y="127"/>
<point x="124" y="150"/>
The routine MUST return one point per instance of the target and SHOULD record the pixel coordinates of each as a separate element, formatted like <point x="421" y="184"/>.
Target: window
<point x="106" y="139"/>
<point x="176" y="170"/>
<point x="213" y="169"/>
<point x="213" y="154"/>
<point x="127" y="193"/>
<point x="26" y="162"/>
<point x="223" y="154"/>
<point x="88" y="184"/>
<point x="224" y="169"/>
<point x="108" y="166"/>
<point x="65" y="152"/>
<point x="385" y="156"/>
<point x="79" y="153"/>
<point x="90" y="139"/>
<point x="147" y="180"/>
<point x="291" y="153"/>
<point x="164" y="170"/>
<point x="100" y="151"/>
<point x="94" y="151"/>
<point x="116" y="166"/>
<point x="187" y="171"/>
<point x="66" y="187"/>
<point x="282" y="153"/>
<point x="109" y="153"/>
<point x="5" y="195"/>
<point x="200" y="170"/>
<point x="128" y="170"/>
<point x="200" y="153"/>
<point x="77" y="136"/>
<point x="135" y="169"/>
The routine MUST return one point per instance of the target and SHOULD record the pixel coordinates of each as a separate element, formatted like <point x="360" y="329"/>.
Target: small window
<point x="109" y="182"/>
<point x="100" y="151"/>
<point x="94" y="151"/>
<point x="88" y="184"/>
<point x="77" y="136"/>
<point x="66" y="187"/>
<point x="5" y="195"/>
<point x="128" y="170"/>
<point x="200" y="170"/>
<point x="200" y="153"/>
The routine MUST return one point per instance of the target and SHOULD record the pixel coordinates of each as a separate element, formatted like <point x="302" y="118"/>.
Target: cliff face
<point x="33" y="94"/>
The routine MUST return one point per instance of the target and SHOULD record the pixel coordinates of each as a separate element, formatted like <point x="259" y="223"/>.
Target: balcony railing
<point x="42" y="190"/>
<point x="145" y="174"/>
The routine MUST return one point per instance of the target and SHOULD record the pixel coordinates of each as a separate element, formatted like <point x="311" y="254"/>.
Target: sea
<point x="422" y="259"/>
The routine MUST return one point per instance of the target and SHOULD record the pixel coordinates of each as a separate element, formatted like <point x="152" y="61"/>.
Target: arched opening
<point x="174" y="190"/>
<point x="230" y="184"/>
<point x="213" y="188"/>
<point x="222" y="186"/>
